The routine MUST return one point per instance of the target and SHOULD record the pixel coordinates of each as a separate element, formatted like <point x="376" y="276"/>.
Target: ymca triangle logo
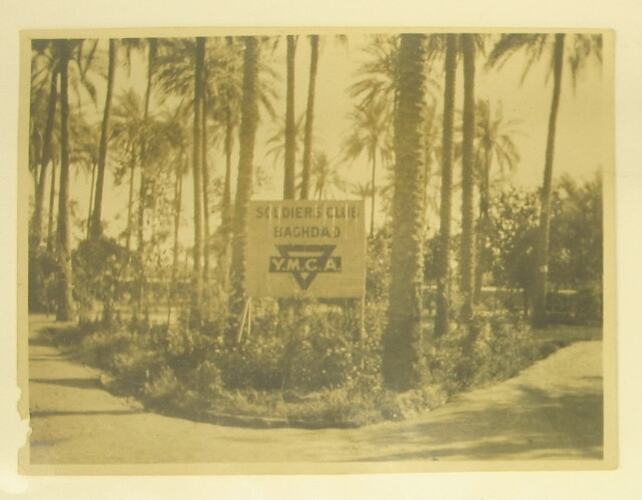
<point x="305" y="262"/>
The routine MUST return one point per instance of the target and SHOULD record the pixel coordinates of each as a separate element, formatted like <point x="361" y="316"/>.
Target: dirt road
<point x="551" y="410"/>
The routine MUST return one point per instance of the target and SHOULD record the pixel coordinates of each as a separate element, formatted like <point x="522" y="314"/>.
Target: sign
<point x="306" y="249"/>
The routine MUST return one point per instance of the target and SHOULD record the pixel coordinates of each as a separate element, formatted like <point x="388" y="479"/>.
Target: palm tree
<point x="65" y="310"/>
<point x="494" y="136"/>
<point x="443" y="249"/>
<point x="46" y="69"/>
<point x="378" y="75"/>
<point x="95" y="226"/>
<point x="403" y="358"/>
<point x="247" y="134"/>
<point x="309" y="117"/>
<point x="175" y="131"/>
<point x="467" y="232"/>
<point x="276" y="142"/>
<point x="325" y="176"/>
<point x="197" y="291"/>
<point x="370" y="122"/>
<point x="45" y="156"/>
<point x="290" y="128"/>
<point x="580" y="49"/>
<point x="128" y="132"/>
<point x="231" y="93"/>
<point x="206" y="103"/>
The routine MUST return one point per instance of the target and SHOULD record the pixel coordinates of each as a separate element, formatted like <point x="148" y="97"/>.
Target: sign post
<point x="306" y="249"/>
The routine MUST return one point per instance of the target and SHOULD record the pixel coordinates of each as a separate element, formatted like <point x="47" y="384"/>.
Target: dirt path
<point x="551" y="410"/>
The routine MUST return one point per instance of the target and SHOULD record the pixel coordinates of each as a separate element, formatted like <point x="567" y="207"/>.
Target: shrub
<point x="492" y="348"/>
<point x="43" y="271"/>
<point x="99" y="267"/>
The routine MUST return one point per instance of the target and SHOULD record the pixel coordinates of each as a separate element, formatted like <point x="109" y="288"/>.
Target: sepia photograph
<point x="333" y="250"/>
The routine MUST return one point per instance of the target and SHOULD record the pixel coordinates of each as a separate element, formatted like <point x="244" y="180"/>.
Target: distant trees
<point x="370" y="123"/>
<point x="495" y="146"/>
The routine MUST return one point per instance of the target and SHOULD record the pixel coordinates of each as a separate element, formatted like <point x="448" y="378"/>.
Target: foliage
<point x="43" y="271"/>
<point x="491" y="348"/>
<point x="576" y="247"/>
<point x="99" y="267"/>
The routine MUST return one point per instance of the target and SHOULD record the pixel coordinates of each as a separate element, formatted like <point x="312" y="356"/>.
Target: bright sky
<point x="580" y="146"/>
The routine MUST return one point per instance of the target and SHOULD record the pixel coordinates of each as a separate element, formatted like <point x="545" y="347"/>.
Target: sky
<point x="581" y="146"/>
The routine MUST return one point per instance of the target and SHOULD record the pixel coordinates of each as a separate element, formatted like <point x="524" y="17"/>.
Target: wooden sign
<point x="306" y="249"/>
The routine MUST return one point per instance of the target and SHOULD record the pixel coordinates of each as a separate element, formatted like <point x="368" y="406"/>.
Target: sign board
<point x="306" y="249"/>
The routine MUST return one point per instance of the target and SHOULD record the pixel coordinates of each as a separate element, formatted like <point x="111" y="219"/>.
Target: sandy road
<point x="551" y="410"/>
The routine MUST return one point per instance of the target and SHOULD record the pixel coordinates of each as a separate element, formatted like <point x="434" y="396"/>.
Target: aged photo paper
<point x="316" y="250"/>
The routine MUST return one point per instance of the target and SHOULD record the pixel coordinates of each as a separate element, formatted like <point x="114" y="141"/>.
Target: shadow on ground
<point x="535" y="424"/>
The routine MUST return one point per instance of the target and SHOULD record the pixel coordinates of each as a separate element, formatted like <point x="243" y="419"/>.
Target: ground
<point x="552" y="410"/>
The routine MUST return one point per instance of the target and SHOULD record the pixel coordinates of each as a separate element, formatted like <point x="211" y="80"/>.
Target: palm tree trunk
<point x="247" y="135"/>
<point x="91" y="198"/>
<point x="426" y="177"/>
<point x="65" y="310"/>
<point x="541" y="269"/>
<point x="309" y="117"/>
<point x="142" y="191"/>
<point x="52" y="197"/>
<point x="178" y="194"/>
<point x="442" y="319"/>
<point x="226" y="207"/>
<point x="197" y="276"/>
<point x="483" y="227"/>
<point x="206" y="184"/>
<point x="290" y="128"/>
<point x="45" y="158"/>
<point x="403" y="358"/>
<point x="130" y="204"/>
<point x="374" y="191"/>
<point x="468" y="184"/>
<point x="96" y="219"/>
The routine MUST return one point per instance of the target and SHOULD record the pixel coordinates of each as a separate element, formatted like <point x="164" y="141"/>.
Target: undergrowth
<point x="311" y="371"/>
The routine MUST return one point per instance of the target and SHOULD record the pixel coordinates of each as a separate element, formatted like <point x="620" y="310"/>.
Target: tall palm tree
<point x="580" y="49"/>
<point x="247" y="135"/>
<point x="309" y="117"/>
<point x="45" y="156"/>
<point x="65" y="310"/>
<point x="152" y="48"/>
<point x="289" y="175"/>
<point x="95" y="226"/>
<point x="206" y="99"/>
<point x="495" y="145"/>
<point x="403" y="358"/>
<point x="443" y="249"/>
<point x="467" y="231"/>
<point x="369" y="125"/>
<point x="231" y="94"/>
<point x="197" y="277"/>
